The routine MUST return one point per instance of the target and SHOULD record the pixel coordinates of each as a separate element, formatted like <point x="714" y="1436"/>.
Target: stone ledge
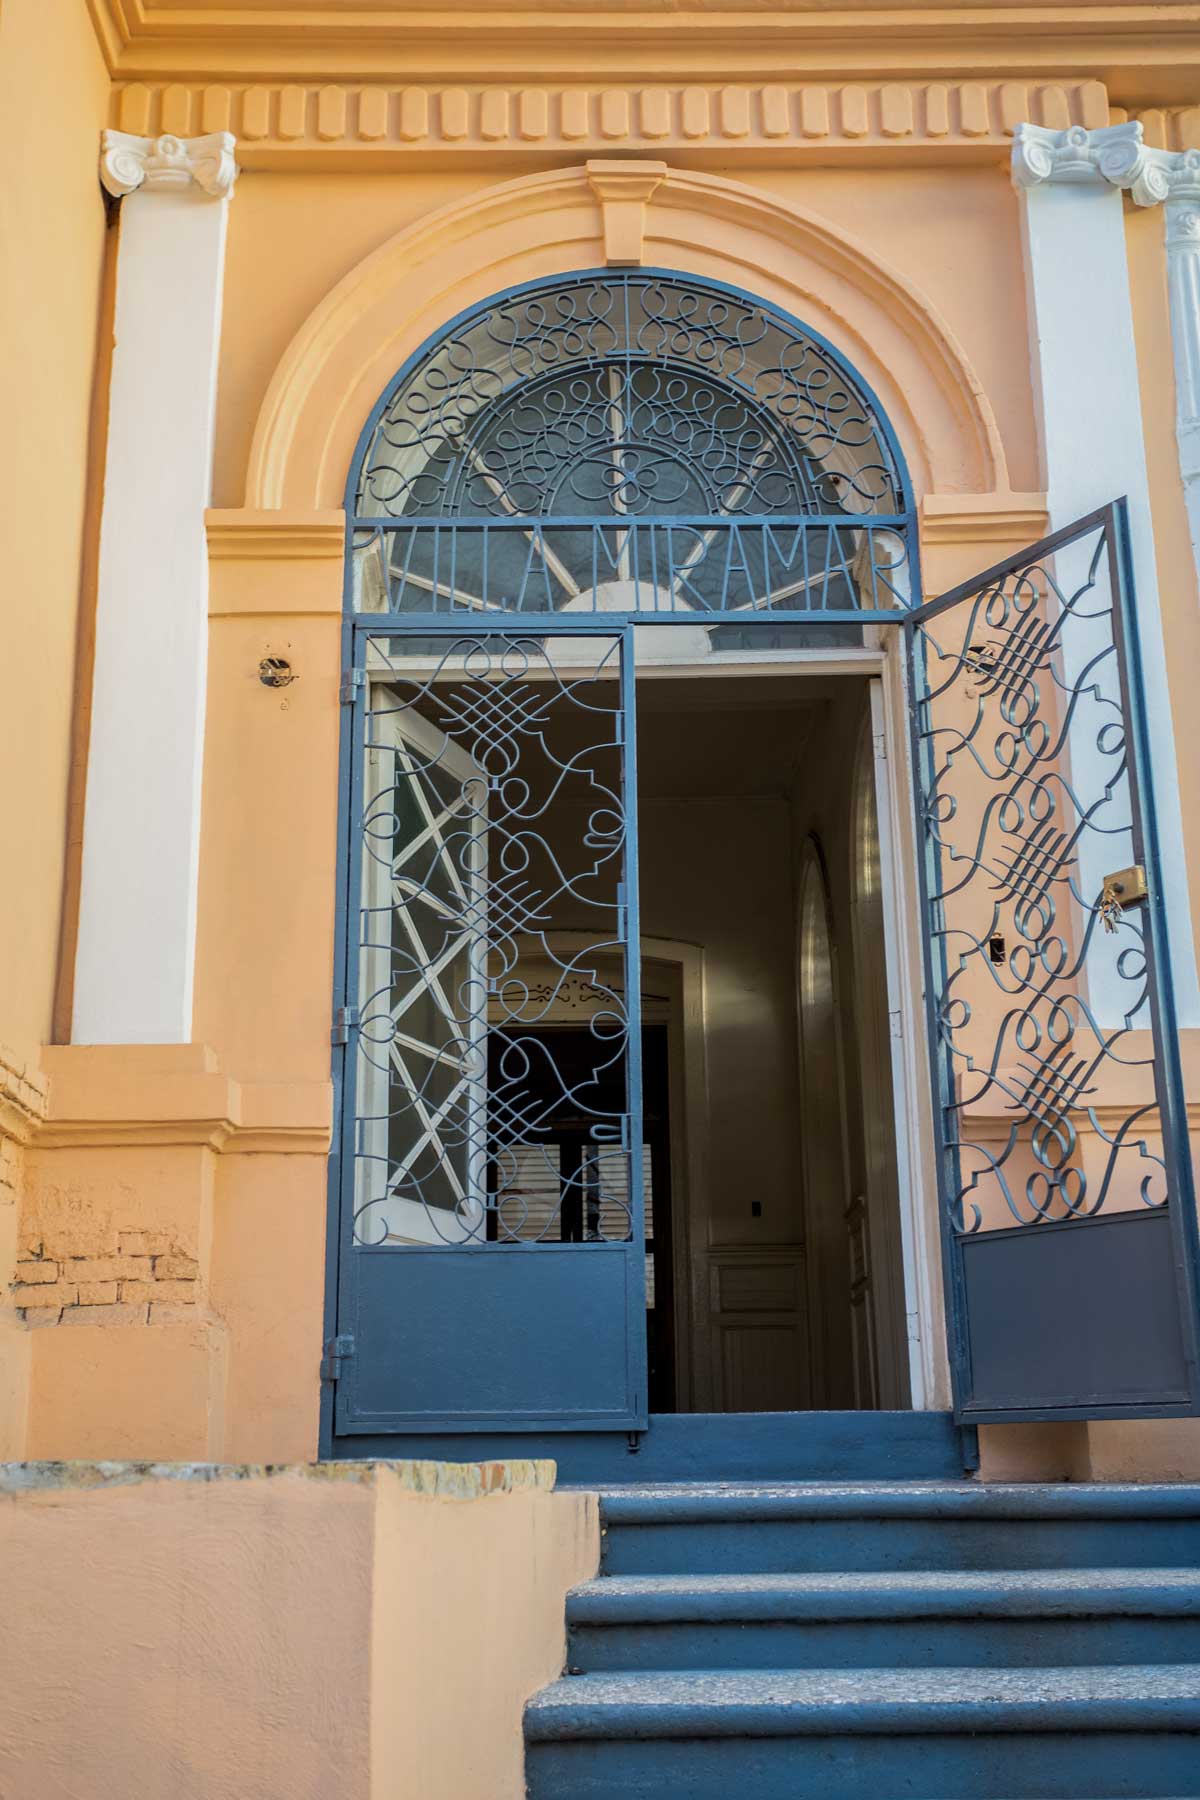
<point x="434" y="1480"/>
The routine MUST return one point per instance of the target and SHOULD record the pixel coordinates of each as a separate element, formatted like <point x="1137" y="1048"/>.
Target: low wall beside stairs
<point x="368" y="1631"/>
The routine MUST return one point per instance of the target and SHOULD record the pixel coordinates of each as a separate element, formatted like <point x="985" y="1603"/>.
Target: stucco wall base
<point x="368" y="1630"/>
<point x="1092" y="1450"/>
<point x="82" y="1380"/>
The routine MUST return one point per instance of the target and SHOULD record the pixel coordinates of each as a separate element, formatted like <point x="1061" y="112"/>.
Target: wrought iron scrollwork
<point x="626" y="395"/>
<point x="493" y="823"/>
<point x="1049" y="1096"/>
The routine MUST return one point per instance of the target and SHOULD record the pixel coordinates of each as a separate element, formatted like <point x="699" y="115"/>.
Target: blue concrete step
<point x="1004" y="1619"/>
<point x="793" y="1446"/>
<point x="777" y="1528"/>
<point x="878" y="1734"/>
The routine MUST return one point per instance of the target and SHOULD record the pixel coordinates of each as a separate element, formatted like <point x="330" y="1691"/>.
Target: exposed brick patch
<point x="105" y="1315"/>
<point x="37" y="1273"/>
<point x="54" y="1293"/>
<point x="151" y="1279"/>
<point x="97" y="1293"/>
<point x="177" y="1292"/>
<point x="176" y="1268"/>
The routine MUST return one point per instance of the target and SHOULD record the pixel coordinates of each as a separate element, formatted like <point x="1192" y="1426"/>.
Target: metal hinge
<point x="337" y="1350"/>
<point x="344" y="1021"/>
<point x="896" y="1023"/>
<point x="880" y="741"/>
<point x="352" y="681"/>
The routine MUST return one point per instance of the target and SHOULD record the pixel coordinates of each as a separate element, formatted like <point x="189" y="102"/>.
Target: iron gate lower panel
<point x="1042" y="1301"/>
<point x="539" y="1338"/>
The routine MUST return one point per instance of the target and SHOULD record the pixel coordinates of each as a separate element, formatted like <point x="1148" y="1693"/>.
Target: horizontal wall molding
<point x="1015" y="519"/>
<point x="293" y="125"/>
<point x="237" y="535"/>
<point x="417" y="39"/>
<point x="155" y="1094"/>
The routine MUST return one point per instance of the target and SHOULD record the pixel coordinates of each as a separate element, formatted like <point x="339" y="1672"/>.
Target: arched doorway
<point x="580" y="494"/>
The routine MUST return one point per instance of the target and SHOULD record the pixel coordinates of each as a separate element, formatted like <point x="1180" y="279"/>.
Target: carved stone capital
<point x="128" y="163"/>
<point x="623" y="188"/>
<point x="1113" y="153"/>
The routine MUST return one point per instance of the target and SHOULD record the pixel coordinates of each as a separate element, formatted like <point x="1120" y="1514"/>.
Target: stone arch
<point x="552" y="223"/>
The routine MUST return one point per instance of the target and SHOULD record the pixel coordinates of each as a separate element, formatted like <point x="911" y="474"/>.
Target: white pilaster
<point x="1183" y="275"/>
<point x="1087" y="389"/>
<point x="137" y="920"/>
<point x="1173" y="177"/>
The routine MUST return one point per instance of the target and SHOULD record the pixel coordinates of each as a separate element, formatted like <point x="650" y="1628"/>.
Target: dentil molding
<point x="374" y="125"/>
<point x="129" y="162"/>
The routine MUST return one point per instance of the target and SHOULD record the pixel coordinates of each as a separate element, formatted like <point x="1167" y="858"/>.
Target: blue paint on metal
<point x="466" y="1308"/>
<point x="636" y="527"/>
<point x="1028" y="674"/>
<point x="610" y="279"/>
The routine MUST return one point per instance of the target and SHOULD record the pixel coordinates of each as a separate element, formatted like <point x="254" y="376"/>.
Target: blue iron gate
<point x="495" y="1268"/>
<point x="569" y="466"/>
<point x="1067" y="1204"/>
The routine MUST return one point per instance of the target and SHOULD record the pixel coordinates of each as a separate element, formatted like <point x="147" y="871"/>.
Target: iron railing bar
<point x="787" y="521"/>
<point x="1024" y="559"/>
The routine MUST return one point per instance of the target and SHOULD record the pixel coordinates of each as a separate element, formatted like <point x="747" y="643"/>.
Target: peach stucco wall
<point x="52" y="227"/>
<point x="52" y="223"/>
<point x="180" y="1192"/>
<point x="364" y="1630"/>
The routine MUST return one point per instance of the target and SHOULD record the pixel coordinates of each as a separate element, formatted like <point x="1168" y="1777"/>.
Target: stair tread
<point x="1072" y="1592"/>
<point x="785" y="1703"/>
<point x="663" y="1502"/>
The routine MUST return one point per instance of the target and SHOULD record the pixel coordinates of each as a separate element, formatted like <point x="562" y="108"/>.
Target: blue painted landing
<point x="796" y="1446"/>
<point x="929" y="1640"/>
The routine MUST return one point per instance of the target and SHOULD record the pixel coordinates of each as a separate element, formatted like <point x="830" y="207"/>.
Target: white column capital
<point x="1076" y="154"/>
<point x="1116" y="154"/>
<point x="128" y="163"/>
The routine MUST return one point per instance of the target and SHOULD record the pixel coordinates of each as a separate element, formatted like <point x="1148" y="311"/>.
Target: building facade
<point x="604" y="824"/>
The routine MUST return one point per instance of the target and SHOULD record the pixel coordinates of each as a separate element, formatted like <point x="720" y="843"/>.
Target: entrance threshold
<point x="788" y="1446"/>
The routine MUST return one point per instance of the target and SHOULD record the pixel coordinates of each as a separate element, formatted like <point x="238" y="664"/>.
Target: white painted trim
<point x="135" y="954"/>
<point x="929" y="1366"/>
<point x="1183" y="281"/>
<point x="1087" y="389"/>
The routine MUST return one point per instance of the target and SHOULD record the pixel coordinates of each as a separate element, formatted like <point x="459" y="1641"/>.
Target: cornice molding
<point x="336" y="125"/>
<point x="743" y="39"/>
<point x="129" y="162"/>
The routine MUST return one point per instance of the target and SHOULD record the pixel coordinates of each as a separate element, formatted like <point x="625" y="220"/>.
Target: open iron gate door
<point x="1066" y="1191"/>
<point x="492" y="1251"/>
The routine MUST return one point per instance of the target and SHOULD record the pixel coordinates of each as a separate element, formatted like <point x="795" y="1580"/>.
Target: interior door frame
<point x="882" y="664"/>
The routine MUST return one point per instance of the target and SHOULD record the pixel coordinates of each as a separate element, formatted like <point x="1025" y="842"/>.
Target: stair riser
<point x="805" y="1546"/>
<point x="881" y="1644"/>
<point x="1068" y="1766"/>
